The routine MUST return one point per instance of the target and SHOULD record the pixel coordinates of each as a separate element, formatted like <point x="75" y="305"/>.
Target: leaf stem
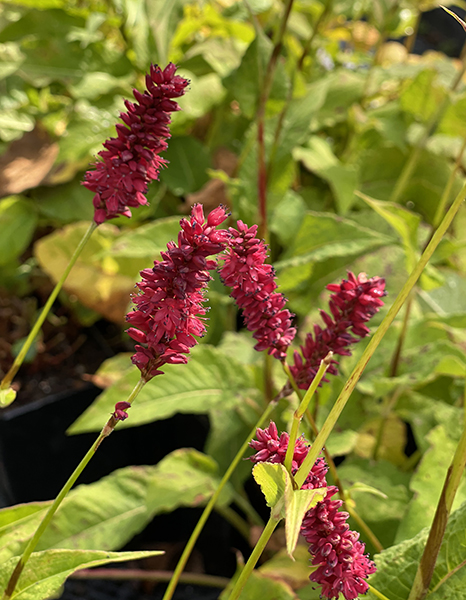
<point x="145" y="575"/>
<point x="210" y="505"/>
<point x="106" y="431"/>
<point x="255" y="555"/>
<point x="375" y="341"/>
<point x="6" y="381"/>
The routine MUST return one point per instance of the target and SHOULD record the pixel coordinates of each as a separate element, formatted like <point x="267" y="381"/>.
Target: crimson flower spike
<point x="253" y="284"/>
<point x="342" y="566"/>
<point x="353" y="302"/>
<point x="131" y="160"/>
<point x="169" y="307"/>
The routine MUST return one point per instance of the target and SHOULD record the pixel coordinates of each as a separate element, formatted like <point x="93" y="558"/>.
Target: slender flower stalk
<point x="106" y="431"/>
<point x="131" y="160"/>
<point x="253" y="284"/>
<point x="7" y="394"/>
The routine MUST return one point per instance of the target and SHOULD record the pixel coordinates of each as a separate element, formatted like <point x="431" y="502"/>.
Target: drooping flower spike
<point x="353" y="302"/>
<point x="253" y="284"/>
<point x="342" y="566"/>
<point x="169" y="306"/>
<point x="131" y="160"/>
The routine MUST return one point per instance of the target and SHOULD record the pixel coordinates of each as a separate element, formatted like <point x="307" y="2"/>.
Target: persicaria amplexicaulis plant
<point x="342" y="566"/>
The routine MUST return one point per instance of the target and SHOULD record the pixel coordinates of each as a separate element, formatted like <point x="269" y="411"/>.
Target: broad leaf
<point x="189" y="161"/>
<point x="427" y="484"/>
<point x="324" y="236"/>
<point x="295" y="572"/>
<point x="105" y="515"/>
<point x="208" y="379"/>
<point x="262" y="586"/>
<point x="102" y="283"/>
<point x="46" y="572"/>
<point x="396" y="566"/>
<point x="318" y="157"/>
<point x="272" y="479"/>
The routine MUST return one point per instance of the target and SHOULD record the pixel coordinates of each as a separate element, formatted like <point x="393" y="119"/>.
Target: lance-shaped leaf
<point x="105" y="515"/>
<point x="273" y="479"/>
<point x="210" y="378"/>
<point x="297" y="503"/>
<point x="46" y="572"/>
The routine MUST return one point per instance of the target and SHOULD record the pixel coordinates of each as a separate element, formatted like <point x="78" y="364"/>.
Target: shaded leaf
<point x="105" y="515"/>
<point x="46" y="572"/>
<point x="396" y="566"/>
<point x="427" y="483"/>
<point x="189" y="161"/>
<point x="209" y="378"/>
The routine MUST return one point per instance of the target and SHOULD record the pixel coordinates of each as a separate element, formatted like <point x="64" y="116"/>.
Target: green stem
<point x="375" y="341"/>
<point x="210" y="505"/>
<point x="437" y="531"/>
<point x="301" y="410"/>
<point x="255" y="555"/>
<point x="106" y="431"/>
<point x="365" y="528"/>
<point x="6" y="381"/>
<point x="377" y="593"/>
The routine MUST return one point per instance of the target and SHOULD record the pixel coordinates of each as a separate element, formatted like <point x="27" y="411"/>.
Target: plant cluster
<point x="312" y="154"/>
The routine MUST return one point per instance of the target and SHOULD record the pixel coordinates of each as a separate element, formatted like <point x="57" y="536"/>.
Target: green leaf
<point x="245" y="83"/>
<point x="105" y="515"/>
<point x="294" y="571"/>
<point x="287" y="217"/>
<point x="7" y="397"/>
<point x="66" y="203"/>
<point x="46" y="572"/>
<point x="208" y="379"/>
<point x="147" y="241"/>
<point x="427" y="484"/>
<point x="189" y="161"/>
<point x="404" y="222"/>
<point x="422" y="96"/>
<point x="324" y="236"/>
<point x="319" y="158"/>
<point x="297" y="503"/>
<point x="396" y="566"/>
<point x="18" y="219"/>
<point x="102" y="283"/>
<point x="383" y="515"/>
<point x="272" y="479"/>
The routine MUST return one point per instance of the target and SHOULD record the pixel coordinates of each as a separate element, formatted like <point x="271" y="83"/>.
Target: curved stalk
<point x="6" y="381"/>
<point x="255" y="555"/>
<point x="106" y="431"/>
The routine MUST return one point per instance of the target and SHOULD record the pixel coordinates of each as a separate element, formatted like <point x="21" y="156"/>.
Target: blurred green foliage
<point x="347" y="110"/>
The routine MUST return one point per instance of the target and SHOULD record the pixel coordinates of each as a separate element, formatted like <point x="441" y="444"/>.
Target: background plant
<point x="345" y="110"/>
